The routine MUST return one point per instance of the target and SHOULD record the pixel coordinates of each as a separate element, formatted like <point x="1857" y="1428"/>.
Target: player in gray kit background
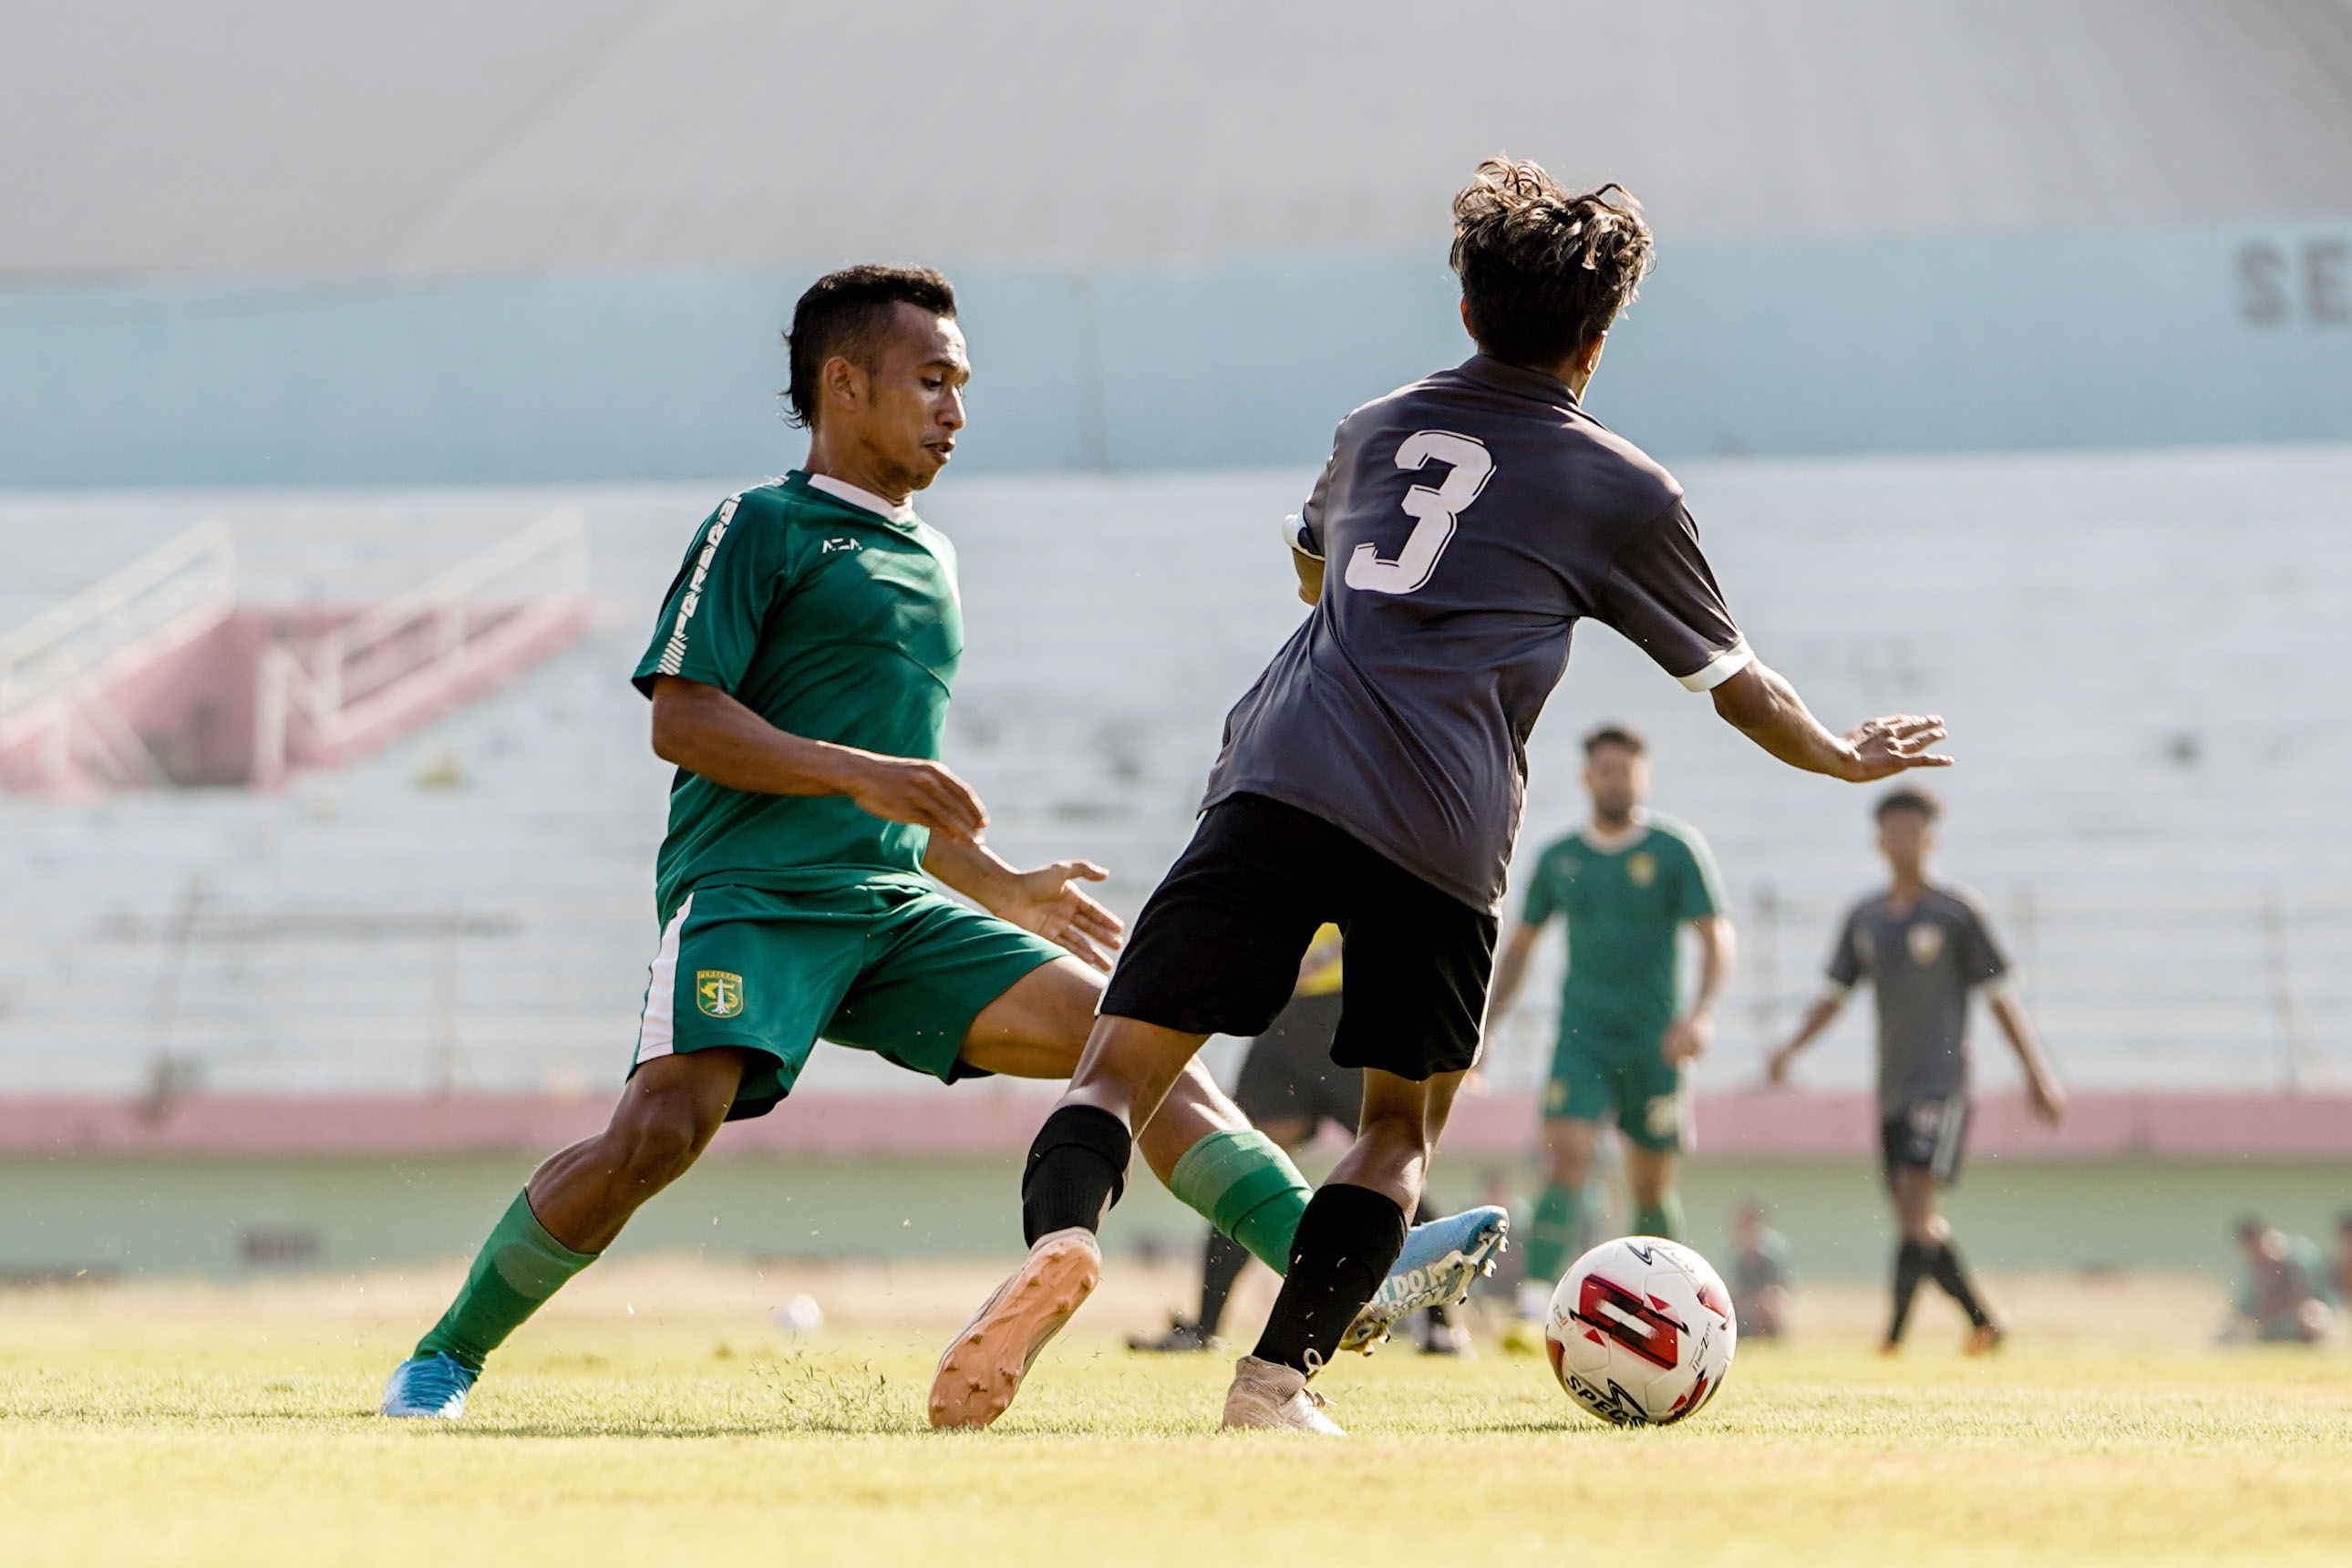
<point x="1924" y="949"/>
<point x="1373" y="776"/>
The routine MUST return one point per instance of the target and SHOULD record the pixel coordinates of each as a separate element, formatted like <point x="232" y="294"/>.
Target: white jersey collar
<point x="841" y="489"/>
<point x="1610" y="843"/>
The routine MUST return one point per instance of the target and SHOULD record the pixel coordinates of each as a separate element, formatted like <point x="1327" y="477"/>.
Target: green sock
<point x="1664" y="1217"/>
<point x="1556" y="1229"/>
<point x="518" y="1267"/>
<point x="1243" y="1183"/>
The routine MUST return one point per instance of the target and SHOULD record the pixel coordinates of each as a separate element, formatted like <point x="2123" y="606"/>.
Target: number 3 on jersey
<point x="1468" y="464"/>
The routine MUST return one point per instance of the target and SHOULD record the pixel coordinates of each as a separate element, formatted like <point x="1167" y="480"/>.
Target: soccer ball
<point x="1641" y="1332"/>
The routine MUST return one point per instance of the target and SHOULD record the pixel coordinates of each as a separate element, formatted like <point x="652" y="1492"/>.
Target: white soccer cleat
<point x="981" y="1369"/>
<point x="1267" y="1397"/>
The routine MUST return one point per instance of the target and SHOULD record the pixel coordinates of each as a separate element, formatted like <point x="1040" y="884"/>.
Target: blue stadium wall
<point x="1996" y="340"/>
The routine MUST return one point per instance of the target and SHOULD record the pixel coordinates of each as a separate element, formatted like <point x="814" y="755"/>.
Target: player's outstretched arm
<point x="1817" y="1018"/>
<point x="1766" y="709"/>
<point x="708" y="732"/>
<point x="2041" y="1083"/>
<point x="1511" y="967"/>
<point x="1048" y="901"/>
<point x="1687" y="1038"/>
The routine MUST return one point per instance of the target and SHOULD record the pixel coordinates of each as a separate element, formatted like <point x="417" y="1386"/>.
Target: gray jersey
<point x="1923" y="963"/>
<point x="1469" y="520"/>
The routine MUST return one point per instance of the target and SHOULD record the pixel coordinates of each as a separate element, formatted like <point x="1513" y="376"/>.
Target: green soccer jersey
<point x="1624" y="904"/>
<point x="831" y="620"/>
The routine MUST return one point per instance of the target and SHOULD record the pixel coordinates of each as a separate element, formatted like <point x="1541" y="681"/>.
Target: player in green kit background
<point x="1626" y="886"/>
<point x="798" y="673"/>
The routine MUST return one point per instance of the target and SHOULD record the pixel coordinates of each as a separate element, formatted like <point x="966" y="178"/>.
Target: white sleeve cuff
<point x="1719" y="668"/>
<point x="2000" y="986"/>
<point x="1294" y="534"/>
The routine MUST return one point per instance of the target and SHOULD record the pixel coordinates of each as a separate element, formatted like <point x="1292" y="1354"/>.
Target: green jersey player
<point x="799" y="674"/>
<point x="1626" y="885"/>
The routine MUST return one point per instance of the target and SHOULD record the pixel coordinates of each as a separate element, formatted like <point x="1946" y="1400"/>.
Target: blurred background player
<point x="2284" y="1299"/>
<point x="1760" y="1273"/>
<point x="1290" y="1087"/>
<point x="1625" y="884"/>
<point x="1924" y="949"/>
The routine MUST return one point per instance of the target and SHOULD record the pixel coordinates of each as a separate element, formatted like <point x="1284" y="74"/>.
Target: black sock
<point x="1221" y="1265"/>
<point x="1346" y="1240"/>
<point x="1077" y="1169"/>
<point x="1945" y="1267"/>
<point x="1910" y="1266"/>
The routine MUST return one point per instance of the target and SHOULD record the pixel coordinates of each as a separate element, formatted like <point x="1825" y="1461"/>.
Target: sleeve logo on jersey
<point x="1925" y="941"/>
<point x="1642" y="866"/>
<point x="673" y="657"/>
<point x="719" y="993"/>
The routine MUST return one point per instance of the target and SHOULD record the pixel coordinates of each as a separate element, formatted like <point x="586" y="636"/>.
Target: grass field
<point x="655" y="1415"/>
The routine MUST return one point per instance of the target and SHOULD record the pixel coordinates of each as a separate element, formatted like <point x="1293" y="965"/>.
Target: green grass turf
<point x="230" y="1435"/>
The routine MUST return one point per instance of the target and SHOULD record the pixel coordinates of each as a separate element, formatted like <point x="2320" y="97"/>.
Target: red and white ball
<point x="1641" y="1332"/>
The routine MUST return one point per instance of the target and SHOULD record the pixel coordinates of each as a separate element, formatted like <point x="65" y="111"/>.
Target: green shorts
<point x="1620" y="1076"/>
<point x="901" y="971"/>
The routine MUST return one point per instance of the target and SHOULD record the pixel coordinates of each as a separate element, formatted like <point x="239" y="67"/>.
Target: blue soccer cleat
<point x="434" y="1386"/>
<point x="1439" y="1261"/>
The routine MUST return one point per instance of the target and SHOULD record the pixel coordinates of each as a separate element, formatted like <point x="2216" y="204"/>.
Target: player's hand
<point x="1884" y="747"/>
<point x="924" y="793"/>
<point x="1049" y="901"/>
<point x="2049" y="1101"/>
<point x="1686" y="1038"/>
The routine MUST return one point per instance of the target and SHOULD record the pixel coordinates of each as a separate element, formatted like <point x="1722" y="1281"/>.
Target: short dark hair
<point x="1544" y="272"/>
<point x="1614" y="735"/>
<point x="1909" y="798"/>
<point x="845" y="313"/>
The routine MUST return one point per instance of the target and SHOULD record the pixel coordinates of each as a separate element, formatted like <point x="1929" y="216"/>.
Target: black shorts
<point x="1289" y="1072"/>
<point x="1216" y="949"/>
<point x="1928" y="1135"/>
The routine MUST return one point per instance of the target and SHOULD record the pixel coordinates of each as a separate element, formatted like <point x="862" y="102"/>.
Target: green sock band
<point x="1243" y="1184"/>
<point x="1553" y="1233"/>
<point x="1664" y="1217"/>
<point x="519" y="1266"/>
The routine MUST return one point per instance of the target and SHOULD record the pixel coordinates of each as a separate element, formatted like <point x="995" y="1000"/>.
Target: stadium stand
<point x="2146" y="800"/>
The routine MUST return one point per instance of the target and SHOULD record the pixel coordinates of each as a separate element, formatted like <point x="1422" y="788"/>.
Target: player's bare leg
<point x="1926" y="1252"/>
<point x="668" y="1111"/>
<point x="570" y="1210"/>
<point x="1351" y="1236"/>
<point x="1650" y="1179"/>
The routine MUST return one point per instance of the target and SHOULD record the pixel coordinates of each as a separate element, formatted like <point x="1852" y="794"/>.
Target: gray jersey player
<point x="1373" y="777"/>
<point x="1924" y="950"/>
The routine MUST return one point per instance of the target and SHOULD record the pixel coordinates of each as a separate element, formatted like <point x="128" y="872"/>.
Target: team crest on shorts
<point x="1663" y="1116"/>
<point x="719" y="993"/>
<point x="1643" y="867"/>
